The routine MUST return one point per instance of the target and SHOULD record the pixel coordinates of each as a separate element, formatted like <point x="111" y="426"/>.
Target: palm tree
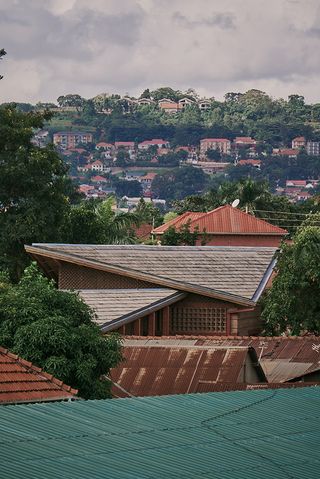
<point x="117" y="228"/>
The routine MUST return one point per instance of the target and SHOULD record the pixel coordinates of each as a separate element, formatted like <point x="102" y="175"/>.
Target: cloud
<point x="62" y="46"/>
<point x="222" y="20"/>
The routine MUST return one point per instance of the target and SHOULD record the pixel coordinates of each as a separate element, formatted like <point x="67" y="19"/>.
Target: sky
<point x="56" y="47"/>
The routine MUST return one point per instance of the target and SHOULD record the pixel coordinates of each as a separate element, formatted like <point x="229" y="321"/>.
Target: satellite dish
<point x="235" y="203"/>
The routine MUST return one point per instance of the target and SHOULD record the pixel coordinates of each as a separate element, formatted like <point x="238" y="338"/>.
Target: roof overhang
<point x="40" y="252"/>
<point x="151" y="308"/>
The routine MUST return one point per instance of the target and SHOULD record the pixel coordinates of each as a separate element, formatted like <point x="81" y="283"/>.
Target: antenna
<point x="235" y="203"/>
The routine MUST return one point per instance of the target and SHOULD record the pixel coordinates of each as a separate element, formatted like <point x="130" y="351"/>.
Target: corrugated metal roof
<point x="114" y="305"/>
<point x="236" y="273"/>
<point x="224" y="220"/>
<point x="247" y="434"/>
<point x="156" y="370"/>
<point x="282" y="358"/>
<point x="21" y="381"/>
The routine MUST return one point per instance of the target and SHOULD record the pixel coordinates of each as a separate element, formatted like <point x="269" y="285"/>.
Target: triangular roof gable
<point x="235" y="274"/>
<point x="188" y="216"/>
<point x="228" y="220"/>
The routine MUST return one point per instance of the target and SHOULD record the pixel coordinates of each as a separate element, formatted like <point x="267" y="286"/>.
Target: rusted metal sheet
<point x="151" y="371"/>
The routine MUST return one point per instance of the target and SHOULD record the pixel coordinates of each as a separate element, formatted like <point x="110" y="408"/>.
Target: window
<point x="198" y="320"/>
<point x="159" y="323"/>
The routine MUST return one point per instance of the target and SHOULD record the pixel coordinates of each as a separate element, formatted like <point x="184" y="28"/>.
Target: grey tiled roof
<point x="115" y="304"/>
<point x="234" y="270"/>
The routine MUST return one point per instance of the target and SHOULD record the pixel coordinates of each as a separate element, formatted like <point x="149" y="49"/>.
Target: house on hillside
<point x="221" y="144"/>
<point x="159" y="291"/>
<point x="70" y="139"/>
<point x="23" y="382"/>
<point x="158" y="142"/>
<point x="169" y="106"/>
<point x="298" y="142"/>
<point x="227" y="226"/>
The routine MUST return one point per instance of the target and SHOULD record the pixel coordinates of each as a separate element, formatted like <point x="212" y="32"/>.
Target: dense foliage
<point x="54" y="329"/>
<point x="35" y="190"/>
<point x="292" y="305"/>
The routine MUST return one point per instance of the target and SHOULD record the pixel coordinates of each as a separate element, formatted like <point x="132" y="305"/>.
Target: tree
<point x="179" y="182"/>
<point x="181" y="237"/>
<point x="292" y="304"/>
<point x="2" y="54"/>
<point x="213" y="155"/>
<point x="94" y="222"/>
<point x="35" y="191"/>
<point x="71" y="100"/>
<point x="55" y="330"/>
<point x="123" y="157"/>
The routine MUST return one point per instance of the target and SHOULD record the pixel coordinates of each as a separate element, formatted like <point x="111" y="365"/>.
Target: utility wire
<point x="286" y="212"/>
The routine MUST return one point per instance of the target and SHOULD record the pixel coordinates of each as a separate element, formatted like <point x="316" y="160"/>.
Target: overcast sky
<point x="57" y="47"/>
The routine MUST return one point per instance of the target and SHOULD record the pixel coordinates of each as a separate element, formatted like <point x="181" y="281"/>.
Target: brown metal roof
<point x="237" y="274"/>
<point x="161" y="370"/>
<point x="282" y="358"/>
<point x="118" y="306"/>
<point x="224" y="220"/>
<point x="21" y="381"/>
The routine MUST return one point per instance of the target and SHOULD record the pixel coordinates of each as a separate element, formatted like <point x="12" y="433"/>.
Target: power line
<point x="286" y="212"/>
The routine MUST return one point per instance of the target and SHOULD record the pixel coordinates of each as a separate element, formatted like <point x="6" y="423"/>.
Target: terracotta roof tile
<point x="21" y="381"/>
<point x="224" y="220"/>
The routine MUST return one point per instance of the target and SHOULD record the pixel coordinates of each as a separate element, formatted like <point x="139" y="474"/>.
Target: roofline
<point x="264" y="281"/>
<point x="128" y="318"/>
<point x="174" y="284"/>
<point x="225" y="233"/>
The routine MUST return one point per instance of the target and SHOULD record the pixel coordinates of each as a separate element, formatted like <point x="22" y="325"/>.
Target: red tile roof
<point x="245" y="139"/>
<point x="21" y="381"/>
<point x="143" y="231"/>
<point x="249" y="162"/>
<point x="179" y="221"/>
<point x="224" y="220"/>
<point x="99" y="178"/>
<point x="217" y="140"/>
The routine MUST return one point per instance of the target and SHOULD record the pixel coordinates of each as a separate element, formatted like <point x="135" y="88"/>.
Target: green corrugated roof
<point x="248" y="434"/>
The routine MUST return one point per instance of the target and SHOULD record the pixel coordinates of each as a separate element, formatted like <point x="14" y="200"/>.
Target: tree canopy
<point x="54" y="329"/>
<point x="35" y="191"/>
<point x="292" y="305"/>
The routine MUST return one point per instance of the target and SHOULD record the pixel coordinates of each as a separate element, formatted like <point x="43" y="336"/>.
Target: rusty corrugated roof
<point x="21" y="381"/>
<point x="224" y="220"/>
<point x="282" y="358"/>
<point x="161" y="370"/>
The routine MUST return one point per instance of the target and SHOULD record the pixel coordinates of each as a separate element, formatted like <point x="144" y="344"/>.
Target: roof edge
<point x="128" y="318"/>
<point x="170" y="283"/>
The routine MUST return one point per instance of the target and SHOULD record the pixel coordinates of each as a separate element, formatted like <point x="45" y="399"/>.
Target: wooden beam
<point x="136" y="327"/>
<point x="166" y="321"/>
<point x="152" y="324"/>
